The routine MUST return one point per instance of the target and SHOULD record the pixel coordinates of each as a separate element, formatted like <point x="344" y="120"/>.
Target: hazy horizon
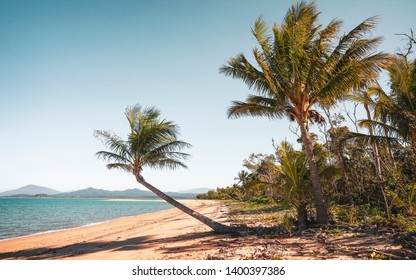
<point x="140" y="187"/>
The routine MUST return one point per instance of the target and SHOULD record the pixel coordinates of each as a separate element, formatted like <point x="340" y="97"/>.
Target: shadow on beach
<point x="137" y="243"/>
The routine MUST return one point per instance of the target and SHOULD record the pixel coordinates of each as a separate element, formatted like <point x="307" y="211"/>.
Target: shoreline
<point x="82" y="226"/>
<point x="92" y="223"/>
<point x="173" y="235"/>
<point x="144" y="236"/>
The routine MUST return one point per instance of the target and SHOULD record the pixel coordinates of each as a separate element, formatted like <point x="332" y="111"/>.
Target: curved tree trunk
<point x="217" y="227"/>
<point x="320" y="204"/>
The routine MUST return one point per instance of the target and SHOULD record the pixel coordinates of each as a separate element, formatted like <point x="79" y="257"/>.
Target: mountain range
<point x="33" y="190"/>
<point x="30" y="190"/>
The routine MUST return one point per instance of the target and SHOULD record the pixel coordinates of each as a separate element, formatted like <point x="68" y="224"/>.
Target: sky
<point x="70" y="67"/>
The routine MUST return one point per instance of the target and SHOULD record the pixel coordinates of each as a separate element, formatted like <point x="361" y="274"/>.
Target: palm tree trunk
<point x="377" y="164"/>
<point x="217" y="227"/>
<point x="345" y="177"/>
<point x="377" y="160"/>
<point x="302" y="215"/>
<point x="392" y="156"/>
<point x="320" y="204"/>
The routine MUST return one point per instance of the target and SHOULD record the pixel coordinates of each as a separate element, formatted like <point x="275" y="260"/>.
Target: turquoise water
<point x="25" y="216"/>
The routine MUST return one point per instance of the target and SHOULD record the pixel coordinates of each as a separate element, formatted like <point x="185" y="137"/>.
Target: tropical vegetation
<point x="349" y="170"/>
<point x="302" y="66"/>
<point x="354" y="166"/>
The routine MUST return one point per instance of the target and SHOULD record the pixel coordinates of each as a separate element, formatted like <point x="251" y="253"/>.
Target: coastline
<point x="33" y="216"/>
<point x="173" y="235"/>
<point x="79" y="227"/>
<point x="166" y="234"/>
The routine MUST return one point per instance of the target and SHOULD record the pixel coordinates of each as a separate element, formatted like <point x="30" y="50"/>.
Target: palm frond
<point x="166" y="163"/>
<point x="240" y="68"/>
<point x="239" y="109"/>
<point x="124" y="167"/>
<point x="369" y="139"/>
<point x="265" y="101"/>
<point x="321" y="47"/>
<point x="114" y="143"/>
<point x="301" y="65"/>
<point x="358" y="32"/>
<point x="113" y="157"/>
<point x="260" y="33"/>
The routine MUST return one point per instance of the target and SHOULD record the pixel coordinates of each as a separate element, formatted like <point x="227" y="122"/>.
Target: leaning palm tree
<point x="302" y="65"/>
<point x="152" y="142"/>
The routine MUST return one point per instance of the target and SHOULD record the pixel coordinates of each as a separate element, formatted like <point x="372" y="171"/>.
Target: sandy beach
<point x="173" y="235"/>
<point x="169" y="234"/>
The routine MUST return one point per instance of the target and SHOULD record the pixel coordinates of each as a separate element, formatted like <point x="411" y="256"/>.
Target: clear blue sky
<point x="69" y="67"/>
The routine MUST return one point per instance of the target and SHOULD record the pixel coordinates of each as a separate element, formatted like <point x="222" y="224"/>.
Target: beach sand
<point x="169" y="234"/>
<point x="173" y="235"/>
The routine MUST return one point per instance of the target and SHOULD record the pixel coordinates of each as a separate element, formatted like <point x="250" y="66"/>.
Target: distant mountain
<point x="93" y="192"/>
<point x="30" y="190"/>
<point x="197" y="190"/>
<point x="129" y="193"/>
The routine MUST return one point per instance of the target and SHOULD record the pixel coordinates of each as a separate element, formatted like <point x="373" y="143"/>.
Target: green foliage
<point x="228" y="193"/>
<point x="404" y="222"/>
<point x="301" y="68"/>
<point x="367" y="215"/>
<point x="261" y="200"/>
<point x="288" y="222"/>
<point x="345" y="214"/>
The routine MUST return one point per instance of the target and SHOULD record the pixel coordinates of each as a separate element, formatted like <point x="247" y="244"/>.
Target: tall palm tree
<point x="401" y="109"/>
<point x="302" y="65"/>
<point x="152" y="142"/>
<point x="394" y="113"/>
<point x="366" y="98"/>
<point x="391" y="117"/>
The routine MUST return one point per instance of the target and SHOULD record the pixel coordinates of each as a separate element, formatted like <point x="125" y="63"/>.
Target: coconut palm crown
<point x="152" y="142"/>
<point x="302" y="65"/>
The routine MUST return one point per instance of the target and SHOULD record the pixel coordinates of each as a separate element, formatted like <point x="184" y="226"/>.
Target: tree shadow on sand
<point x="132" y="244"/>
<point x="329" y="242"/>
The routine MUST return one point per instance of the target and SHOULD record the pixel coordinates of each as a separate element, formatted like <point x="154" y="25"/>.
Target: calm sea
<point x="25" y="216"/>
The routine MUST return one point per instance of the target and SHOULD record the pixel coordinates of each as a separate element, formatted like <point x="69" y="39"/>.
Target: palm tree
<point x="393" y="116"/>
<point x="303" y="65"/>
<point x="242" y="177"/>
<point x="400" y="111"/>
<point x="152" y="142"/>
<point x="293" y="178"/>
<point x="366" y="96"/>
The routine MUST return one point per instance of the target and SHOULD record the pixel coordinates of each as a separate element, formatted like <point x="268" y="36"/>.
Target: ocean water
<point x="26" y="216"/>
